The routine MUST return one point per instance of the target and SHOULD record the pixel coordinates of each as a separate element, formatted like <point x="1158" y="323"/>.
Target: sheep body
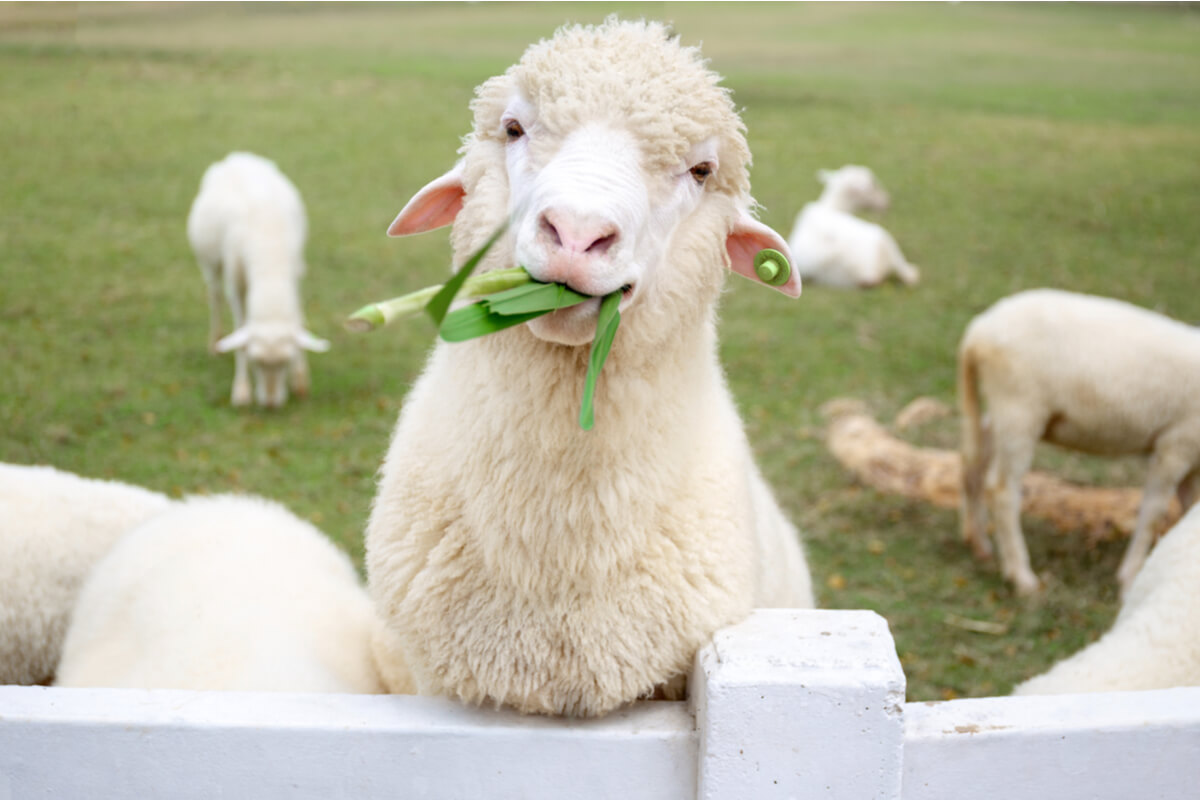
<point x="833" y="247"/>
<point x="54" y="526"/>
<point x="1155" y="641"/>
<point x="516" y="559"/>
<point x="1083" y="372"/>
<point x="247" y="228"/>
<point x="224" y="592"/>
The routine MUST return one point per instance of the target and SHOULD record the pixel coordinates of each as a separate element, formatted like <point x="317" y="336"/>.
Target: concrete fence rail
<point x="788" y="704"/>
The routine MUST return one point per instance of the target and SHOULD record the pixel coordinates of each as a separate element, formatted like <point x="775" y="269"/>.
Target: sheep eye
<point x="701" y="171"/>
<point x="513" y="130"/>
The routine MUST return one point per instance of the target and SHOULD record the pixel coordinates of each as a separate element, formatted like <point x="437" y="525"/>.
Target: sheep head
<point x="271" y="347"/>
<point x="620" y="163"/>
<point x="853" y="188"/>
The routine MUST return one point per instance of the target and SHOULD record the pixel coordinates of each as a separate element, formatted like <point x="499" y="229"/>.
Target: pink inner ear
<point x="435" y="206"/>
<point x="743" y="243"/>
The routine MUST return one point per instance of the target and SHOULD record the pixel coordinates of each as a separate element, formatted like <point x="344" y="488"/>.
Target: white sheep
<point x="54" y="526"/>
<point x="515" y="558"/>
<point x="247" y="229"/>
<point x="1087" y="373"/>
<point x="831" y="246"/>
<point x="224" y="592"/>
<point x="1155" y="641"/>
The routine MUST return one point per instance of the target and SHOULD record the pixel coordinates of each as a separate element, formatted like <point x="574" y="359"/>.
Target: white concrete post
<point x="800" y="704"/>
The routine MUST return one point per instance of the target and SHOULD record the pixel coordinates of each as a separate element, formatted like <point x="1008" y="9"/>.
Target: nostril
<point x="601" y="245"/>
<point x="548" y="229"/>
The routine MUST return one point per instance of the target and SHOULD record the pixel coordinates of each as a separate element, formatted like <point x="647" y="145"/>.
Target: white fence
<point x="788" y="704"/>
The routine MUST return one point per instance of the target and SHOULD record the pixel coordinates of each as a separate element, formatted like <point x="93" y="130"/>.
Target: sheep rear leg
<point x="212" y="279"/>
<point x="972" y="508"/>
<point x="1012" y="459"/>
<point x="1168" y="471"/>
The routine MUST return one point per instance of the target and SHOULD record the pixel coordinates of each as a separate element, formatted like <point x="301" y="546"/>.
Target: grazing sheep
<point x="1155" y="641"/>
<point x="515" y="558"/>
<point x="229" y="593"/>
<point x="247" y="228"/>
<point x="54" y="526"/>
<point x="1083" y="372"/>
<point x="831" y="246"/>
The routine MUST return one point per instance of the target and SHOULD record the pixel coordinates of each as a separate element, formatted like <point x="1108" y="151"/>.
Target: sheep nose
<point x="573" y="235"/>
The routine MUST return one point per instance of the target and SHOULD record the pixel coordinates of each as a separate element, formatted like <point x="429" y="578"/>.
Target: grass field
<point x="1023" y="145"/>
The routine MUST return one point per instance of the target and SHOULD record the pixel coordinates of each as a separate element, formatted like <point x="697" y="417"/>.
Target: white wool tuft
<point x="225" y="593"/>
<point x="54" y="526"/>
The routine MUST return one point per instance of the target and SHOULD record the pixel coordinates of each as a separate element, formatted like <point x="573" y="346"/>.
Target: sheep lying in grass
<point x="247" y="228"/>
<point x="831" y="246"/>
<point x="224" y="592"/>
<point x="1155" y="641"/>
<point x="515" y="558"/>
<point x="54" y="526"/>
<point x="1083" y="372"/>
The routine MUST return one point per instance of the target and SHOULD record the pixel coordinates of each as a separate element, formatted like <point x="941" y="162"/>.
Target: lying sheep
<point x="247" y="228"/>
<point x="515" y="558"/>
<point x="1155" y="641"/>
<point x="1083" y="372"/>
<point x="54" y="526"/>
<point x="831" y="246"/>
<point x="223" y="592"/>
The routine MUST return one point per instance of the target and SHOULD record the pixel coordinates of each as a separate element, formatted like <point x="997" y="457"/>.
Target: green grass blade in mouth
<point x="606" y="330"/>
<point x="543" y="297"/>
<point x="440" y="303"/>
<point x="476" y="320"/>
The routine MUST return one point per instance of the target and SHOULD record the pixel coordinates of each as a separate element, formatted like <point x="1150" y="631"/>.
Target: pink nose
<point x="575" y="236"/>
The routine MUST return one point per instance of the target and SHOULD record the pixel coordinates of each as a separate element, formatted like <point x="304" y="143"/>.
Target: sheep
<point x="833" y="247"/>
<point x="514" y="558"/>
<point x="54" y="526"/>
<point x="229" y="593"/>
<point x="1155" y="641"/>
<point x="247" y="229"/>
<point x="1086" y="373"/>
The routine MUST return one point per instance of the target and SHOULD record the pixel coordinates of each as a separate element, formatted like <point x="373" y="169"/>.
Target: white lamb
<point x="247" y="228"/>
<point x="831" y="246"/>
<point x="515" y="558"/>
<point x="1155" y="641"/>
<point x="1083" y="372"/>
<point x="224" y="592"/>
<point x="54" y="526"/>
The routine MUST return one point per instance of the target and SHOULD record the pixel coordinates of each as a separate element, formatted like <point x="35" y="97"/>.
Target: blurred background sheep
<point x="1044" y="145"/>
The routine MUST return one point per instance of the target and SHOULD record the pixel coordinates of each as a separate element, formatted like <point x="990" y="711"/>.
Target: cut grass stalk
<point x="377" y="315"/>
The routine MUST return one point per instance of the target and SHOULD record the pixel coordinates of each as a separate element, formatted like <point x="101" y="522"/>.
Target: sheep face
<point x="855" y="188"/>
<point x="273" y="350"/>
<point x="620" y="164"/>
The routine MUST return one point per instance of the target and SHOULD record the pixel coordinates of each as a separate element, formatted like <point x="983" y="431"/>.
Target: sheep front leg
<point x="241" y="394"/>
<point x="1168" y="468"/>
<point x="1013" y="457"/>
<point x="299" y="376"/>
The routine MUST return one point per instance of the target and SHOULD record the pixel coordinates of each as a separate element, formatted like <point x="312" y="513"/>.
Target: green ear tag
<point x="772" y="267"/>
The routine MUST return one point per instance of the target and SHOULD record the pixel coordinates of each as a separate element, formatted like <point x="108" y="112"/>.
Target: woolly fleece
<point x="54" y="526"/>
<point x="226" y="593"/>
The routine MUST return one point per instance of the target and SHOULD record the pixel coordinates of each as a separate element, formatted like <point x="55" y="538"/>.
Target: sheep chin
<point x="572" y="326"/>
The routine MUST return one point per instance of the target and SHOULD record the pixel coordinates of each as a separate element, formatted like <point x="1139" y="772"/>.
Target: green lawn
<point x="1023" y="146"/>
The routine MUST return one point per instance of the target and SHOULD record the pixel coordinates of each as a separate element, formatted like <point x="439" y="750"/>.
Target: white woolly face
<point x="857" y="188"/>
<point x="590" y="215"/>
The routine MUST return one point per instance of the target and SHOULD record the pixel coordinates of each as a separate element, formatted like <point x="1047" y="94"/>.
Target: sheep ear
<point x="435" y="206"/>
<point x="743" y="243"/>
<point x="233" y="341"/>
<point x="310" y="342"/>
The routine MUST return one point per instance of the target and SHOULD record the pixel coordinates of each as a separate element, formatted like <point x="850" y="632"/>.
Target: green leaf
<point x="440" y="303"/>
<point x="534" y="297"/>
<point x="606" y="330"/>
<point x="470" y="322"/>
